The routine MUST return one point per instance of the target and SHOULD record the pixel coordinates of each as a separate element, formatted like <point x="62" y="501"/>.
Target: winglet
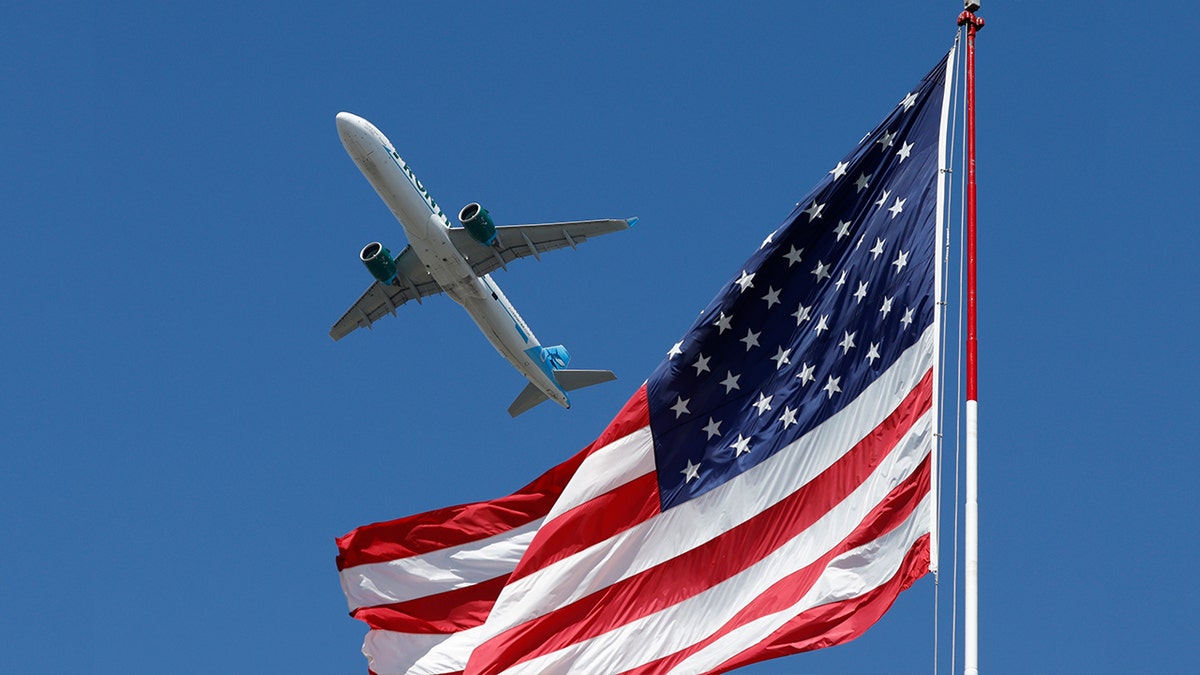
<point x="631" y="221"/>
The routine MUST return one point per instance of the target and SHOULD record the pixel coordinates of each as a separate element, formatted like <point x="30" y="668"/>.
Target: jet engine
<point x="478" y="223"/>
<point x="379" y="261"/>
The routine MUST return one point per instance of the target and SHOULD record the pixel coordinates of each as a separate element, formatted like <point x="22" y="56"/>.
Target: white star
<point x="901" y="260"/>
<point x="847" y="342"/>
<point x="841" y="280"/>
<point x="897" y="207"/>
<point x="831" y="387"/>
<point x="701" y="363"/>
<point x="772" y="297"/>
<point x="861" y="292"/>
<point x="814" y="211"/>
<point x="821" y="270"/>
<point x="884" y="198"/>
<point x="904" y="151"/>
<point x="722" y="323"/>
<point x="873" y="352"/>
<point x="713" y="428"/>
<point x="680" y="406"/>
<point x="802" y="314"/>
<point x="690" y="472"/>
<point x="909" y="101"/>
<point x="861" y="239"/>
<point x="781" y="358"/>
<point x="843" y="229"/>
<point x="908" y="317"/>
<point x="863" y="182"/>
<point x="887" y="139"/>
<point x="789" y="416"/>
<point x="731" y="381"/>
<point x="806" y="374"/>
<point x="751" y="339"/>
<point x="877" y="250"/>
<point x="793" y="256"/>
<point x="742" y="445"/>
<point x="675" y="351"/>
<point x="764" y="404"/>
<point x="887" y="306"/>
<point x="822" y="324"/>
<point x="839" y="170"/>
<point x="745" y="281"/>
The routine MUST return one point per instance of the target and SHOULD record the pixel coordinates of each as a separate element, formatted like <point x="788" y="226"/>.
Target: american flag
<point x="766" y="492"/>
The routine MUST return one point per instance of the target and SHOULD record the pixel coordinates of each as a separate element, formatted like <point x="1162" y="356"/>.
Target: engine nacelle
<point x="478" y="223"/>
<point x="379" y="261"/>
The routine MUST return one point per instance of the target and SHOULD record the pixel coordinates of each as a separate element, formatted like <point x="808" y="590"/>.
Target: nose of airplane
<point x="348" y="122"/>
<point x="354" y="132"/>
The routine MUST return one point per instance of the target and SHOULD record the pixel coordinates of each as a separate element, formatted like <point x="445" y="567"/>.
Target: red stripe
<point x="833" y="623"/>
<point x="597" y="520"/>
<point x="447" y="612"/>
<point x="454" y="525"/>
<point x="711" y="562"/>
<point x="465" y="523"/>
<point x="634" y="415"/>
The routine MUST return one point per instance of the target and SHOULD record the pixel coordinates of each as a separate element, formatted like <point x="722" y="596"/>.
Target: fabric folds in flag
<point x="766" y="492"/>
<point x="425" y="584"/>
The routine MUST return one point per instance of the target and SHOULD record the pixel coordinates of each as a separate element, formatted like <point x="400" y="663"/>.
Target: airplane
<point x="458" y="261"/>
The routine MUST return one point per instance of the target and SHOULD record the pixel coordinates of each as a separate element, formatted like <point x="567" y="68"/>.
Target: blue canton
<point x="828" y="303"/>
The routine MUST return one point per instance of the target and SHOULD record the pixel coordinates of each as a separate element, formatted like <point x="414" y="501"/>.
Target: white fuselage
<point x="427" y="229"/>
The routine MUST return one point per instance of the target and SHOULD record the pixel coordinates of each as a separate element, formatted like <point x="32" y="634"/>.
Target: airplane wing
<point x="412" y="283"/>
<point x="519" y="241"/>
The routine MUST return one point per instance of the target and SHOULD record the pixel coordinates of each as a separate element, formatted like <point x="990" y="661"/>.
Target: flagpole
<point x="971" y="515"/>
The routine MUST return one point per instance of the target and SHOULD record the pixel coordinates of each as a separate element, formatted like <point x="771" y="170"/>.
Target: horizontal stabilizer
<point x="569" y="380"/>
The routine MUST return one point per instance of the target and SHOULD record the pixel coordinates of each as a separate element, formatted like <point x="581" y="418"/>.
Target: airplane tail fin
<point x="569" y="380"/>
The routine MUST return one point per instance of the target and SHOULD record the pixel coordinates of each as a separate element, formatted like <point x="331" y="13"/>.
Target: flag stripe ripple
<point x="668" y="536"/>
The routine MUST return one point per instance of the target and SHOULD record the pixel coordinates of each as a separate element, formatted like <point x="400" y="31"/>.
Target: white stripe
<point x="694" y="619"/>
<point x="851" y="574"/>
<point x="436" y="572"/>
<point x="944" y="177"/>
<point x="390" y="653"/>
<point x="699" y="520"/>
<point x="607" y="468"/>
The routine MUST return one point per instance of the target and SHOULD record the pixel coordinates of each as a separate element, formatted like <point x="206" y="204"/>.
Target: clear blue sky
<point x="179" y="226"/>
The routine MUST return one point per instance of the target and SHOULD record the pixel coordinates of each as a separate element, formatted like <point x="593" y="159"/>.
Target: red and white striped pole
<point x="971" y="509"/>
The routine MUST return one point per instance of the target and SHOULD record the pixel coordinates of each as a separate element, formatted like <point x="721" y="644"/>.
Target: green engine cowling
<point x="379" y="261"/>
<point x="478" y="223"/>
